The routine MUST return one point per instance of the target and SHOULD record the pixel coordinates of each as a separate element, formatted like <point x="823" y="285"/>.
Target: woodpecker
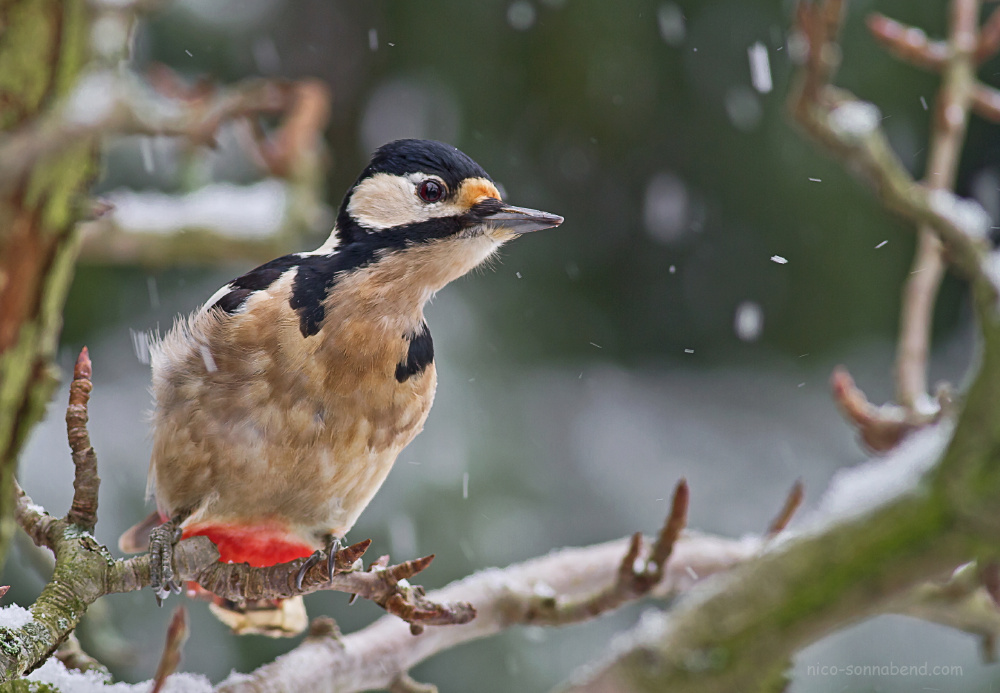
<point x="283" y="402"/>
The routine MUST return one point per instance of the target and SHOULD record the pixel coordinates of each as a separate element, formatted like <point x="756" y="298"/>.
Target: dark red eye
<point x="431" y="191"/>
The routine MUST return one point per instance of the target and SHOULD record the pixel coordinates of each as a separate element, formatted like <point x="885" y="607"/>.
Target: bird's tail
<point x="275" y="618"/>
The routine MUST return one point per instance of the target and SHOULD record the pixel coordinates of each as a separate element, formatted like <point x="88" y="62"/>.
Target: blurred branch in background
<point x="934" y="506"/>
<point x="956" y="60"/>
<point x="218" y="220"/>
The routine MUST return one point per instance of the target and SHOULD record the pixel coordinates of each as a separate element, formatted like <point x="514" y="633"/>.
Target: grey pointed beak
<point x="522" y="220"/>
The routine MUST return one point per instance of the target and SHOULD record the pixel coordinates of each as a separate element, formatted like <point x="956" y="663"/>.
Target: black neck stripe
<point x="359" y="248"/>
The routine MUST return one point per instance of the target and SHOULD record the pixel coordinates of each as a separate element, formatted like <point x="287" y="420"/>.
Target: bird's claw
<point x="161" y="559"/>
<point x="309" y="563"/>
<point x="332" y="549"/>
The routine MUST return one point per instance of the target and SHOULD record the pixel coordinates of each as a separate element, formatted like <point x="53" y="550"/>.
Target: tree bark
<point x="44" y="45"/>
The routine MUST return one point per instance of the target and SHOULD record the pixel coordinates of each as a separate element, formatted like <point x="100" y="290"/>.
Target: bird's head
<point x="421" y="214"/>
<point x="422" y="193"/>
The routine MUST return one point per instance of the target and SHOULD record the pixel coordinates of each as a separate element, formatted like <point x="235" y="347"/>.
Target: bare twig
<point x="989" y="38"/>
<point x="385" y="585"/>
<point x="636" y="576"/>
<point x="911" y="44"/>
<point x="817" y="22"/>
<point x="955" y="59"/>
<point x="792" y="503"/>
<point x="850" y="129"/>
<point x="917" y="319"/>
<point x="880" y="428"/>
<point x="907" y="42"/>
<point x="951" y="115"/>
<point x="42" y="528"/>
<point x="177" y="635"/>
<point x="86" y="483"/>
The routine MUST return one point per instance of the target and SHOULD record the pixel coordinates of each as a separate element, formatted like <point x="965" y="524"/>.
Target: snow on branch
<point x="220" y="220"/>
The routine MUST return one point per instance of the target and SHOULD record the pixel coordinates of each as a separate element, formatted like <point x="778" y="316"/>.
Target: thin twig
<point x="818" y="22"/>
<point x="907" y="42"/>
<point x="86" y="482"/>
<point x="385" y="585"/>
<point x="177" y="635"/>
<point x="951" y="116"/>
<point x="880" y="428"/>
<point x="989" y="38"/>
<point x="792" y="503"/>
<point x="850" y="129"/>
<point x="916" y="320"/>
<point x="636" y="576"/>
<point x="911" y="45"/>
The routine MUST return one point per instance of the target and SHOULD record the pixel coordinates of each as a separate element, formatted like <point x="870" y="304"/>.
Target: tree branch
<point x="929" y="516"/>
<point x="374" y="657"/>
<point x="911" y="45"/>
<point x="155" y="228"/>
<point x="849" y="129"/>
<point x="951" y="115"/>
<point x="86" y="483"/>
<point x="37" y="245"/>
<point x="117" y="103"/>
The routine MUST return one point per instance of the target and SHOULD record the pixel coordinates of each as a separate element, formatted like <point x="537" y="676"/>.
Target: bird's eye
<point x="431" y="191"/>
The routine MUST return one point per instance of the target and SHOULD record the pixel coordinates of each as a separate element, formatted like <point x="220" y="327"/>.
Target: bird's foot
<point x="162" y="540"/>
<point x="332" y="549"/>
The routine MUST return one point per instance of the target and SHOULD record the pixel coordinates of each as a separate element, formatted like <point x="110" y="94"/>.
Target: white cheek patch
<point x="384" y="201"/>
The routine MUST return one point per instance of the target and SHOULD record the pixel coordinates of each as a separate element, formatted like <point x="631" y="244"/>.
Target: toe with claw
<point x="315" y="558"/>
<point x="161" y="557"/>
<point x="332" y="549"/>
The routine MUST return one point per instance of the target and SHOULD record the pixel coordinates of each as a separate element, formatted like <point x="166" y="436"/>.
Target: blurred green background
<point x="650" y="337"/>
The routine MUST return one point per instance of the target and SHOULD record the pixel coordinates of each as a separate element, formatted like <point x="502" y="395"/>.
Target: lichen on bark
<point x="43" y="49"/>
